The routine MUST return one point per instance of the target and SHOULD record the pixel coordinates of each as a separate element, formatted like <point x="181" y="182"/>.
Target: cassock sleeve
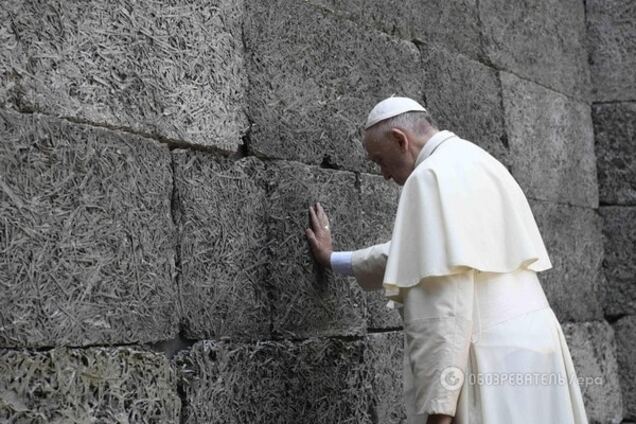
<point x="369" y="264"/>
<point x="438" y="327"/>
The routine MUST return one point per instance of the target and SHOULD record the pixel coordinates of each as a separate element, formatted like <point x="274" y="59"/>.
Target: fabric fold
<point x="461" y="209"/>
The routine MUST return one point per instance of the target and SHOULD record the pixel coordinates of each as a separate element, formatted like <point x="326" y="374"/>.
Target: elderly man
<point x="482" y="344"/>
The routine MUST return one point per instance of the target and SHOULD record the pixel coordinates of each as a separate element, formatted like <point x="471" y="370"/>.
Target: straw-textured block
<point x="173" y="69"/>
<point x="464" y="96"/>
<point x="625" y="329"/>
<point x="314" y="77"/>
<point x="611" y="25"/>
<point x="451" y="24"/>
<point x="619" y="262"/>
<point x="315" y="380"/>
<point x="573" y="238"/>
<point x="614" y="130"/>
<point x="386" y="358"/>
<point x="308" y="300"/>
<point x="541" y="40"/>
<point x="379" y="203"/>
<point x="222" y="239"/>
<point x="96" y="385"/>
<point x="551" y="141"/>
<point x="593" y="351"/>
<point x="88" y="243"/>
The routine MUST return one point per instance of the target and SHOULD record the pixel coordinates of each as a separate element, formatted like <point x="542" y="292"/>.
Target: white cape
<point x="460" y="209"/>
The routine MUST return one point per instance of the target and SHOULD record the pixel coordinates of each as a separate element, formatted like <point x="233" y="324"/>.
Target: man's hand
<point x="319" y="235"/>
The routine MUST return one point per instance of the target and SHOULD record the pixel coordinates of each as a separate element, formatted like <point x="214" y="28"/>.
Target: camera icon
<point x="452" y="378"/>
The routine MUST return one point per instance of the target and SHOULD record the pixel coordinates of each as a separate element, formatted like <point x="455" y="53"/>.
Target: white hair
<point x="414" y="121"/>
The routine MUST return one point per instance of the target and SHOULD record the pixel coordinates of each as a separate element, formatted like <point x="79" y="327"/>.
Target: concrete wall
<point x="158" y="159"/>
<point x="612" y="46"/>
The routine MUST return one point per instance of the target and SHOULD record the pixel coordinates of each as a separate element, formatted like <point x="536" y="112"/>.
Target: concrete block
<point x="614" y="132"/>
<point x="88" y="239"/>
<point x="611" y="26"/>
<point x="379" y="200"/>
<point x="451" y="24"/>
<point x="551" y="143"/>
<point x="222" y="238"/>
<point x="386" y="356"/>
<point x="307" y="300"/>
<point x="464" y="96"/>
<point x="573" y="238"/>
<point x="170" y="69"/>
<point x="315" y="380"/>
<point x="107" y="385"/>
<point x="625" y="329"/>
<point x="314" y="77"/>
<point x="593" y="351"/>
<point x="543" y="41"/>
<point x="619" y="262"/>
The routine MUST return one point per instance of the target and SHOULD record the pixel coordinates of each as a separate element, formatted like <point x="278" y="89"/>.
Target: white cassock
<point x="481" y="341"/>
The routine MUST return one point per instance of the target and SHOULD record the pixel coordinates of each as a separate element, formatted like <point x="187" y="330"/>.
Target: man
<point x="482" y="344"/>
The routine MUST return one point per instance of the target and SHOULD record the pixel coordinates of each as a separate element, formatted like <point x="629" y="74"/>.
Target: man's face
<point x="390" y="152"/>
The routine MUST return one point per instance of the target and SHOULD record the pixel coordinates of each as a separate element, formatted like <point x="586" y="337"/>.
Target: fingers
<point x="315" y="222"/>
<point x="322" y="216"/>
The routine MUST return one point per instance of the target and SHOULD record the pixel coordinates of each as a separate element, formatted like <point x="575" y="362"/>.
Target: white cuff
<point x="341" y="263"/>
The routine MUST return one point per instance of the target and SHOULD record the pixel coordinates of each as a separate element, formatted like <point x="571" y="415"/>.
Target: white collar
<point x="432" y="144"/>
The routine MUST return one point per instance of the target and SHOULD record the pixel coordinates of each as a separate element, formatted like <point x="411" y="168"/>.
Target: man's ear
<point x="401" y="138"/>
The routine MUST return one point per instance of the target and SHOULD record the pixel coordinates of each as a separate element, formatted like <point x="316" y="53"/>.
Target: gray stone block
<point x="451" y="24"/>
<point x="614" y="131"/>
<point x="464" y="96"/>
<point x="542" y="40"/>
<point x="314" y="77"/>
<point x="106" y="385"/>
<point x="223" y="246"/>
<point x="551" y="143"/>
<point x="171" y="69"/>
<point x="573" y="238"/>
<point x="315" y="380"/>
<point x="379" y="203"/>
<point x="619" y="262"/>
<point x="386" y="356"/>
<point x="611" y="26"/>
<point x="88" y="239"/>
<point x="593" y="351"/>
<point x="307" y="300"/>
<point x="625" y="330"/>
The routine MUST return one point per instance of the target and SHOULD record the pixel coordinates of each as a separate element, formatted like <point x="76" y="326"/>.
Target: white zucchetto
<point x="393" y="106"/>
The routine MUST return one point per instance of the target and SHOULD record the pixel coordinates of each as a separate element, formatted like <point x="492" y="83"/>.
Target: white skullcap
<point x="393" y="106"/>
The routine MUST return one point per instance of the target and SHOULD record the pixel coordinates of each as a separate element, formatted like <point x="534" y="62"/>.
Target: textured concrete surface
<point x="169" y="69"/>
<point x="307" y="300"/>
<point x="625" y="330"/>
<point x="614" y="133"/>
<point x="96" y="385"/>
<point x="379" y="200"/>
<point x="619" y="263"/>
<point x="464" y="96"/>
<point x="551" y="143"/>
<point x="451" y="24"/>
<point x="593" y="351"/>
<point x="315" y="380"/>
<point x="574" y="241"/>
<point x="313" y="79"/>
<point x="611" y="26"/>
<point x="542" y="40"/>
<point x="223" y="246"/>
<point x="386" y="355"/>
<point x="88" y="243"/>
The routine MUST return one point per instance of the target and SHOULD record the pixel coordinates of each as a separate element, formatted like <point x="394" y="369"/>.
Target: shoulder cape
<point x="460" y="209"/>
